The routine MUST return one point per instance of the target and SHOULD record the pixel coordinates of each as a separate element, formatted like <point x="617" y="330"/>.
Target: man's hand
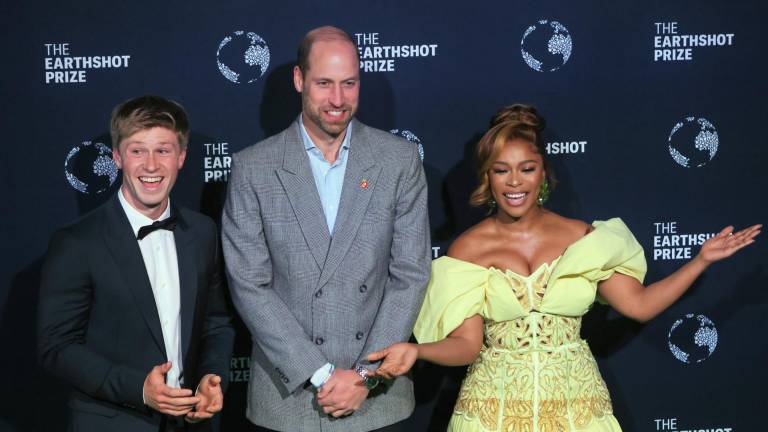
<point x="167" y="400"/>
<point x="211" y="399"/>
<point x="343" y="393"/>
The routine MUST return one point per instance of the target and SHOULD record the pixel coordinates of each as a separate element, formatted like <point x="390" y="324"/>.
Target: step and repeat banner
<point x="655" y="113"/>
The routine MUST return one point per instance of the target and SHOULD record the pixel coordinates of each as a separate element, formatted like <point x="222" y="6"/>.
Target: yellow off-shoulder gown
<point x="534" y="372"/>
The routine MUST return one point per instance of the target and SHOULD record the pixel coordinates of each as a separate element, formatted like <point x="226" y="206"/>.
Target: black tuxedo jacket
<point x="98" y="326"/>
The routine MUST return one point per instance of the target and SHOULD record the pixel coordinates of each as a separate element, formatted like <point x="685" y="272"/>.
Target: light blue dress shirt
<point x="329" y="178"/>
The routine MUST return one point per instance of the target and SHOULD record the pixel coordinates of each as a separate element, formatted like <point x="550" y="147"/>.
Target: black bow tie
<point x="166" y="224"/>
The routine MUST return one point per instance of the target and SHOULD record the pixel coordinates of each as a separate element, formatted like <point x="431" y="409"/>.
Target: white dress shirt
<point x="159" y="252"/>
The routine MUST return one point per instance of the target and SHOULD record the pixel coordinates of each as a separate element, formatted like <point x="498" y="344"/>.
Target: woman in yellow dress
<point x="509" y="296"/>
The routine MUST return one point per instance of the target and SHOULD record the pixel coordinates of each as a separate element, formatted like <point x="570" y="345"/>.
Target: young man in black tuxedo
<point x="132" y="311"/>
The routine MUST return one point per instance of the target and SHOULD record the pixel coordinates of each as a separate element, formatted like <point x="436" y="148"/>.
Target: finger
<point x="192" y="420"/>
<point x="341" y="413"/>
<point x="745" y="232"/>
<point x="322" y="397"/>
<point x="326" y="389"/>
<point x="174" y="411"/>
<point x="741" y="246"/>
<point x="743" y="237"/>
<point x="180" y="401"/>
<point x="388" y="362"/>
<point x="323" y="392"/>
<point x="176" y="392"/>
<point x="215" y="407"/>
<point x="199" y="415"/>
<point x="326" y="400"/>
<point x="378" y="355"/>
<point x="753" y="233"/>
<point x="725" y="231"/>
<point x="215" y="381"/>
<point x="158" y="372"/>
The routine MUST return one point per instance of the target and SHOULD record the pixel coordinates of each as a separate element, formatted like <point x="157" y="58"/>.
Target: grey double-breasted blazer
<point x="309" y="297"/>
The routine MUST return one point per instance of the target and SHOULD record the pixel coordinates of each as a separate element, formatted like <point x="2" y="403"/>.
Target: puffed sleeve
<point x="622" y="252"/>
<point x="610" y="248"/>
<point x="456" y="291"/>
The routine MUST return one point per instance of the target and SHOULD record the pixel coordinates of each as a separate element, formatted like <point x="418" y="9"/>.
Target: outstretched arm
<point x="461" y="347"/>
<point x="632" y="299"/>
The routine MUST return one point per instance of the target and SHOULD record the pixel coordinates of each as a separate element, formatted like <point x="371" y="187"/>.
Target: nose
<point x="151" y="163"/>
<point x="337" y="96"/>
<point x="512" y="180"/>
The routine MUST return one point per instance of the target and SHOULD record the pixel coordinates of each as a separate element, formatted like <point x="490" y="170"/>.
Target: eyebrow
<point x="519" y="163"/>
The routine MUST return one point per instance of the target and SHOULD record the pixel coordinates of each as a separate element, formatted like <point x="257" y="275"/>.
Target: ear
<point x="116" y="157"/>
<point x="298" y="79"/>
<point x="182" y="157"/>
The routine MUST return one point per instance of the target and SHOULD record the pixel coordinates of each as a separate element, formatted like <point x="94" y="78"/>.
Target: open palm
<point x="727" y="242"/>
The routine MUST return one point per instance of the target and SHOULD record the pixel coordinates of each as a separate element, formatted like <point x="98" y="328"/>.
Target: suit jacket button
<point x="319" y="341"/>
<point x="359" y="335"/>
<point x="363" y="288"/>
<point x="319" y="294"/>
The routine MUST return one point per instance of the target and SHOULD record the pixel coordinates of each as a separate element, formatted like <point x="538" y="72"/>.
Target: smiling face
<point x="150" y="160"/>
<point x="515" y="177"/>
<point x="329" y="88"/>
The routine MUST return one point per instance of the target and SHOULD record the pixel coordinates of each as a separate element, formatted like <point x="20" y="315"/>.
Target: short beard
<point x="317" y="119"/>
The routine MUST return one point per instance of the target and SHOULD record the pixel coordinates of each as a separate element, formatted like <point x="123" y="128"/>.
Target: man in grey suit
<point x="326" y="241"/>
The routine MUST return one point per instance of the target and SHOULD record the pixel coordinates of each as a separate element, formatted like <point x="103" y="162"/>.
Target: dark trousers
<point x="397" y="427"/>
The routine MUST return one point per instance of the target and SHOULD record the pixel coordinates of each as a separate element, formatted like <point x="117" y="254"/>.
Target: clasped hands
<point x="345" y="390"/>
<point x="342" y="394"/>
<point x="203" y="404"/>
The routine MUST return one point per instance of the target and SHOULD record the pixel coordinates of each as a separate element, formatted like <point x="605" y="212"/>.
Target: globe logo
<point x="692" y="339"/>
<point x="243" y="57"/>
<point x="89" y="167"/>
<point x="410" y="136"/>
<point x="557" y="40"/>
<point x="693" y="142"/>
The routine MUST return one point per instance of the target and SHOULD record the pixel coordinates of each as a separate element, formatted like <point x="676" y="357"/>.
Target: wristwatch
<point x="369" y="381"/>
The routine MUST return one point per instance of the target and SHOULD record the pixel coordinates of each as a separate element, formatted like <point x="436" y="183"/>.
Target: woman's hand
<point x="727" y="242"/>
<point x="398" y="359"/>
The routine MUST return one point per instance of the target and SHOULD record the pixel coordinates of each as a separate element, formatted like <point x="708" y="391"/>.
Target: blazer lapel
<point x="186" y="252"/>
<point x="124" y="248"/>
<point x="299" y="184"/>
<point x="359" y="184"/>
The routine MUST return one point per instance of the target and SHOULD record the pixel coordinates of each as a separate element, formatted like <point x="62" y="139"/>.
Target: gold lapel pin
<point x="364" y="184"/>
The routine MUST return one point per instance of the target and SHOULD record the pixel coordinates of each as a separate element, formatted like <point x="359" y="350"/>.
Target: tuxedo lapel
<point x="125" y="250"/>
<point x="359" y="184"/>
<point x="299" y="184"/>
<point x="186" y="252"/>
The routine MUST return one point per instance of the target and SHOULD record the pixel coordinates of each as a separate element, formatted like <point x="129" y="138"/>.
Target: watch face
<point x="371" y="383"/>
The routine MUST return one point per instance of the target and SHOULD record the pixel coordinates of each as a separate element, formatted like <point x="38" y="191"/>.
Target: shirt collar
<point x="135" y="217"/>
<point x="309" y="144"/>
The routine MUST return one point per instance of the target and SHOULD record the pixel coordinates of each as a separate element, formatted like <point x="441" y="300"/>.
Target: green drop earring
<point x="543" y="192"/>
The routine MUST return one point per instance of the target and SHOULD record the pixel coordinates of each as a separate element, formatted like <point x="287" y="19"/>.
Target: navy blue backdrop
<point x="655" y="113"/>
